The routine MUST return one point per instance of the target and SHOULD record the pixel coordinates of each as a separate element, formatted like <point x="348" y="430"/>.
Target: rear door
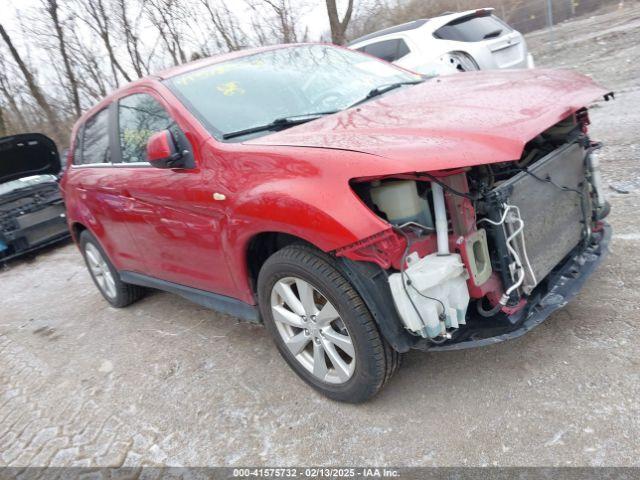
<point x="99" y="186"/>
<point x="177" y="224"/>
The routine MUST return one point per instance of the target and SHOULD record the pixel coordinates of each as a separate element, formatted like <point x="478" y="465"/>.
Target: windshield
<point x="287" y="82"/>
<point x="25" y="182"/>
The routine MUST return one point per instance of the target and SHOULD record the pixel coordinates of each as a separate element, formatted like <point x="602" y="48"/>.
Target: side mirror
<point x="162" y="151"/>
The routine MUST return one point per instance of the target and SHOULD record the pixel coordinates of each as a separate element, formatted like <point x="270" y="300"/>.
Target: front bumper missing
<point x="33" y="231"/>
<point x="561" y="285"/>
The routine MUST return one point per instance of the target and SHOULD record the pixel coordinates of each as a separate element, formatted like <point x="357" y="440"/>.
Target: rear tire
<point x="462" y="62"/>
<point x="105" y="276"/>
<point x="327" y="316"/>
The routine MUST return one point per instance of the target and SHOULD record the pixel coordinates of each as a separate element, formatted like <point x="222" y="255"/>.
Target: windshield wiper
<point x="290" y="121"/>
<point x="493" y="34"/>
<point x="279" y="123"/>
<point x="380" y="89"/>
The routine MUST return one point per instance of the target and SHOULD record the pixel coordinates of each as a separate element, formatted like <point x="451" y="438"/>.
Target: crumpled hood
<point x="449" y="122"/>
<point x="27" y="154"/>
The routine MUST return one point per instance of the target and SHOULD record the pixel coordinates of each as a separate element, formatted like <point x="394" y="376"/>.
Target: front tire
<point x="105" y="276"/>
<point x="321" y="325"/>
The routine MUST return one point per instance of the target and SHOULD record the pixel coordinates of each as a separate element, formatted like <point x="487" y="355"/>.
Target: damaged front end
<point x="482" y="254"/>
<point x="32" y="212"/>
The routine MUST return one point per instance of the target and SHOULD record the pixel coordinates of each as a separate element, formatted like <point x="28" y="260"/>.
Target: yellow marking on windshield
<point x="191" y="77"/>
<point x="230" y="88"/>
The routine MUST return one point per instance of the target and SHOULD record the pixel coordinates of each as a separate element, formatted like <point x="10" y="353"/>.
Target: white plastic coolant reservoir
<point x="400" y="201"/>
<point x="442" y="279"/>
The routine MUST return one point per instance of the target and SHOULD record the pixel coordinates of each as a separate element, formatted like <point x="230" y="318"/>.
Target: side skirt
<point x="220" y="303"/>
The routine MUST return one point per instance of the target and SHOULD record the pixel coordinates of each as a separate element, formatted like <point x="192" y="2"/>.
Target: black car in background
<point x="32" y="212"/>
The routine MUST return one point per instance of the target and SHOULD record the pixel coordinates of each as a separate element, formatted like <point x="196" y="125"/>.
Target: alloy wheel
<point x="100" y="271"/>
<point x="312" y="330"/>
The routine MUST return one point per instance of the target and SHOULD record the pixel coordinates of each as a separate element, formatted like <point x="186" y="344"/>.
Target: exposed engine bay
<point x="32" y="212"/>
<point x="483" y="246"/>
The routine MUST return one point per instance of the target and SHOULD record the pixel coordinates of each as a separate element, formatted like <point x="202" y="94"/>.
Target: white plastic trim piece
<point x="434" y="296"/>
<point x="596" y="176"/>
<point x="442" y="226"/>
<point x="530" y="61"/>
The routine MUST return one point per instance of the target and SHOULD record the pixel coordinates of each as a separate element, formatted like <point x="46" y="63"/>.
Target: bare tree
<point x="10" y="96"/>
<point x="226" y="26"/>
<point x="98" y="19"/>
<point x="280" y="26"/>
<point x="33" y="86"/>
<point x="51" y="6"/>
<point x="130" y="35"/>
<point x="167" y="17"/>
<point x="3" y="125"/>
<point x="338" y="27"/>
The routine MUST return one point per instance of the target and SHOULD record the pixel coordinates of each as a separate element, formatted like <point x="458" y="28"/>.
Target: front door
<point x="178" y="224"/>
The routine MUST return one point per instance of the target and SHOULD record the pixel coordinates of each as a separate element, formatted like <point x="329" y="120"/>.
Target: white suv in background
<point x="452" y="42"/>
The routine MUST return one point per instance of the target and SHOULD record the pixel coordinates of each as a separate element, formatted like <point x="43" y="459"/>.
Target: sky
<point x="315" y="17"/>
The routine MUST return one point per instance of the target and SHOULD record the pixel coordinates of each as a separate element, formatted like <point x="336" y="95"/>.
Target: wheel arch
<point x="368" y="279"/>
<point x="268" y="220"/>
<point x="76" y="229"/>
<point x="264" y="244"/>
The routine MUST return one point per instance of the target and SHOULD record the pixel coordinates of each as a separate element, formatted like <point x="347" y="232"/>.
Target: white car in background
<point x="452" y="42"/>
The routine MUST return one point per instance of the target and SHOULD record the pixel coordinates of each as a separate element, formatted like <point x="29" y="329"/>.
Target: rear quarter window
<point x="473" y="29"/>
<point x="389" y="50"/>
<point x="76" y="152"/>
<point x="95" y="140"/>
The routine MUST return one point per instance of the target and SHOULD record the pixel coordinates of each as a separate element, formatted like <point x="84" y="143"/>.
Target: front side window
<point x="285" y="82"/>
<point x="139" y="116"/>
<point x="95" y="141"/>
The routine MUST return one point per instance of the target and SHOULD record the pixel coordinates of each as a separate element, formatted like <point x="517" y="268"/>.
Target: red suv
<point x="356" y="209"/>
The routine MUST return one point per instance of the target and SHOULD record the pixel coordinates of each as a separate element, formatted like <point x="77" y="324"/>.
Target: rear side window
<point x="389" y="50"/>
<point x="95" y="140"/>
<point x="139" y="116"/>
<point x="473" y="29"/>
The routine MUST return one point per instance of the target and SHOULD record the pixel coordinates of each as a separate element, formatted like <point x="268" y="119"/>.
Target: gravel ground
<point x="168" y="382"/>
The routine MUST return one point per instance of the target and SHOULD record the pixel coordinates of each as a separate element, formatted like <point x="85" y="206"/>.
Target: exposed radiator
<point x="553" y="218"/>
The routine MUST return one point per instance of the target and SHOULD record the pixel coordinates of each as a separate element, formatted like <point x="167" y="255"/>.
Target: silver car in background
<point x="449" y="43"/>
